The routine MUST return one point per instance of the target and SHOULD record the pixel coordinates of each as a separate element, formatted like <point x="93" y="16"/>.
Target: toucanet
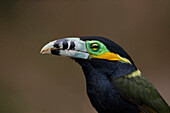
<point x="114" y="84"/>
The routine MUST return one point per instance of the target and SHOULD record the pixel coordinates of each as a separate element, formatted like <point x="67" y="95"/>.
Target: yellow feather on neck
<point x="134" y="74"/>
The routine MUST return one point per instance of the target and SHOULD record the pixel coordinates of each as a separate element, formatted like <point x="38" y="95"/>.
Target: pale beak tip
<point x="42" y="52"/>
<point x="45" y="51"/>
<point x="47" y="48"/>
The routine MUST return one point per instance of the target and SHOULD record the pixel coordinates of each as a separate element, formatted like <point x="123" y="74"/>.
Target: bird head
<point x="86" y="48"/>
<point x="99" y="51"/>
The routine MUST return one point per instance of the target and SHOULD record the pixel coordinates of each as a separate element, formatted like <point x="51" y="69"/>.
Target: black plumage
<point x="106" y="95"/>
<point x="103" y="94"/>
<point x="113" y="86"/>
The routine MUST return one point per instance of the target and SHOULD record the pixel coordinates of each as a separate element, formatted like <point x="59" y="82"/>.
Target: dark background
<point x="35" y="83"/>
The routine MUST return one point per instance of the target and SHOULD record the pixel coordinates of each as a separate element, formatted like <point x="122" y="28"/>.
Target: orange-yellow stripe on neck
<point x="112" y="57"/>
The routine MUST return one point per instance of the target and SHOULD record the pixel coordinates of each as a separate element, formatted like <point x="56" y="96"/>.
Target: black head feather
<point x="111" y="46"/>
<point x="100" y="73"/>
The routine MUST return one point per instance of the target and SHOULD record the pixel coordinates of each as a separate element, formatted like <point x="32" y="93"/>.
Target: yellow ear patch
<point x="112" y="57"/>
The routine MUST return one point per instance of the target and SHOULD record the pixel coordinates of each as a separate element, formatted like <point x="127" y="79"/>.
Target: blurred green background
<point x="35" y="83"/>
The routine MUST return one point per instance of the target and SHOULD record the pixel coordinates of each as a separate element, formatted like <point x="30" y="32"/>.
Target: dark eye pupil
<point x="95" y="46"/>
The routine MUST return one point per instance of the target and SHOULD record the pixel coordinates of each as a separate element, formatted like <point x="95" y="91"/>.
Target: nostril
<point x="65" y="44"/>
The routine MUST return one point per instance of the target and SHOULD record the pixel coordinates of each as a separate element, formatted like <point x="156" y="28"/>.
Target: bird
<point x="113" y="83"/>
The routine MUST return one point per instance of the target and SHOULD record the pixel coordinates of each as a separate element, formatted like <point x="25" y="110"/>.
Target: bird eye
<point x="94" y="46"/>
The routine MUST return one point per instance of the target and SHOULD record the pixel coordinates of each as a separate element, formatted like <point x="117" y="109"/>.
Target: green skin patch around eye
<point x="102" y="48"/>
<point x="102" y="52"/>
